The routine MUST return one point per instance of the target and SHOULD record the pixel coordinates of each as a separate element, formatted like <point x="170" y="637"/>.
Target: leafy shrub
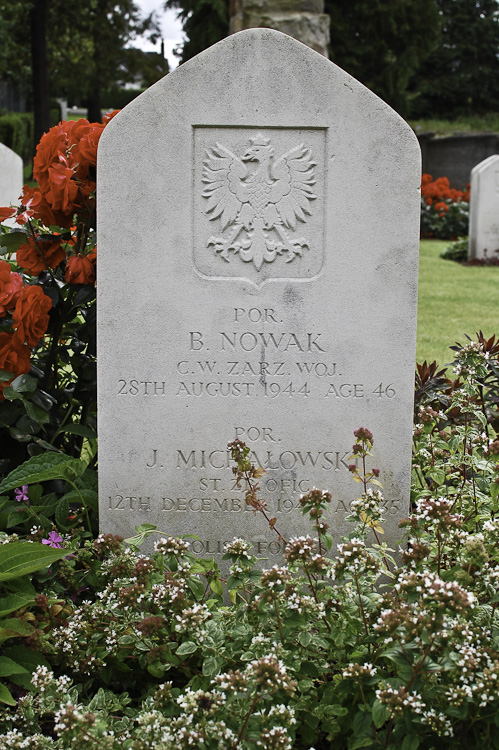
<point x="457" y="250"/>
<point x="16" y="132"/>
<point x="363" y="650"/>
<point x="444" y="210"/>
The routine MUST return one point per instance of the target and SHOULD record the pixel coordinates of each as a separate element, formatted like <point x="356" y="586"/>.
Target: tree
<point x="382" y="43"/>
<point x="80" y="48"/>
<point x="144" y="67"/>
<point x="91" y="53"/>
<point x="204" y="23"/>
<point x="461" y="76"/>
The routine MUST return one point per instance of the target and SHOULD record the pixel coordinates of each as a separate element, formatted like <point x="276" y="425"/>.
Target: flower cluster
<point x="65" y="169"/>
<point x="444" y="210"/>
<point x="437" y="191"/>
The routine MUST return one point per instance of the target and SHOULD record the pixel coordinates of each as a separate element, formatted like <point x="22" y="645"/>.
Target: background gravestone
<point x="258" y="256"/>
<point x="11" y="178"/>
<point x="484" y="210"/>
<point x="304" y="20"/>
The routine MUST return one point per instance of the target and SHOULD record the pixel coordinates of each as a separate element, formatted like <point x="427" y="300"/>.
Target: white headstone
<point x="484" y="210"/>
<point x="11" y="178"/>
<point x="258" y="258"/>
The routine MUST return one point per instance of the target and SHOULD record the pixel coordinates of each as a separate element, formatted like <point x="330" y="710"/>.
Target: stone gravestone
<point x="484" y="210"/>
<point x="11" y="178"/>
<point x="258" y="259"/>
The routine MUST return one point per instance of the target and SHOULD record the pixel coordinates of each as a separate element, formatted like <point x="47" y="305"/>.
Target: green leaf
<point x="196" y="585"/>
<point x="188" y="647"/>
<point x="336" y="710"/>
<point x="359" y="742"/>
<point x="143" y="531"/>
<point x="13" y="627"/>
<point x="11" y="395"/>
<point x="380" y="714"/>
<point x="5" y="696"/>
<point x="410" y="743"/>
<point x="211" y="666"/>
<point x="14" y="602"/>
<point x="13" y="240"/>
<point x="39" y="415"/>
<point x="8" y="667"/>
<point x="216" y="587"/>
<point x="24" y="384"/>
<point x="79" y="429"/>
<point x="4" y="375"/>
<point x="156" y="670"/>
<point x="61" y="512"/>
<point x="305" y="638"/>
<point x="438" y="475"/>
<point x="19" y="558"/>
<point x="42" y="468"/>
<point x="89" y="497"/>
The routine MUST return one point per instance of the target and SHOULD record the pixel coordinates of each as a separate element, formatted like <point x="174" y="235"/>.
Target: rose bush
<point x="47" y="308"/>
<point x="444" y="210"/>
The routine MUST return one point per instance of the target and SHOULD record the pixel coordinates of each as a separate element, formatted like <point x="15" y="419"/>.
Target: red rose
<point x="31" y="314"/>
<point x="35" y="205"/>
<point x="14" y="355"/>
<point x="29" y="256"/>
<point x="52" y="251"/>
<point x="62" y="189"/>
<point x="80" y="270"/>
<point x="6" y="212"/>
<point x="10" y="286"/>
<point x="37" y="256"/>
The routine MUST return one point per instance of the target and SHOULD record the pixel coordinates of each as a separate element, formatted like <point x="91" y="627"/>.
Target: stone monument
<point x="304" y="20"/>
<point x="11" y="178"/>
<point x="258" y="259"/>
<point x="484" y="210"/>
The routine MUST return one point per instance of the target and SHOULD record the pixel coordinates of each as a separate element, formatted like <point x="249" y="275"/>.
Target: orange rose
<point x="85" y="151"/>
<point x="52" y="146"/>
<point x="80" y="270"/>
<point x="14" y="355"/>
<point x="10" y="286"/>
<point x="63" y="190"/>
<point x="30" y="315"/>
<point x="107" y="118"/>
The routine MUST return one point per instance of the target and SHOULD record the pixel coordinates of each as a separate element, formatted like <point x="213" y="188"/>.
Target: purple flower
<point x="54" y="540"/>
<point x="22" y="494"/>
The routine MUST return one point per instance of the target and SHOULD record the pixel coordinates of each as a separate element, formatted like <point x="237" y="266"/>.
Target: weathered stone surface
<point x="258" y="256"/>
<point x="484" y="210"/>
<point x="11" y="178"/>
<point x="304" y="20"/>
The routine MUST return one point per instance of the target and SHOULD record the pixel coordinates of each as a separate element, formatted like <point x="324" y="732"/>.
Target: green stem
<point x="73" y="485"/>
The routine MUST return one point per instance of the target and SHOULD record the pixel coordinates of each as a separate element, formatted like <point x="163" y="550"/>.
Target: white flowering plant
<point x="357" y="647"/>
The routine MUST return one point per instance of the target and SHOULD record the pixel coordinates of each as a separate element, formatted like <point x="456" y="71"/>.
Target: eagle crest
<point x="259" y="200"/>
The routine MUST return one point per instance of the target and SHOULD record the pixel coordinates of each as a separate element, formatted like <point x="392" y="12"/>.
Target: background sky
<point x="170" y="26"/>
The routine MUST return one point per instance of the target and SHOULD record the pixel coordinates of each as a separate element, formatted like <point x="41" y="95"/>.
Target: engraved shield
<point x="259" y="203"/>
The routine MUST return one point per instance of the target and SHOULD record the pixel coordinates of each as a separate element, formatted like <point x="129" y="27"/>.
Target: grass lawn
<point x="453" y="300"/>
<point x="464" y="124"/>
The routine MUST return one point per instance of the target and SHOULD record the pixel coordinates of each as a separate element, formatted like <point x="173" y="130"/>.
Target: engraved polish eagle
<point x="257" y="199"/>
